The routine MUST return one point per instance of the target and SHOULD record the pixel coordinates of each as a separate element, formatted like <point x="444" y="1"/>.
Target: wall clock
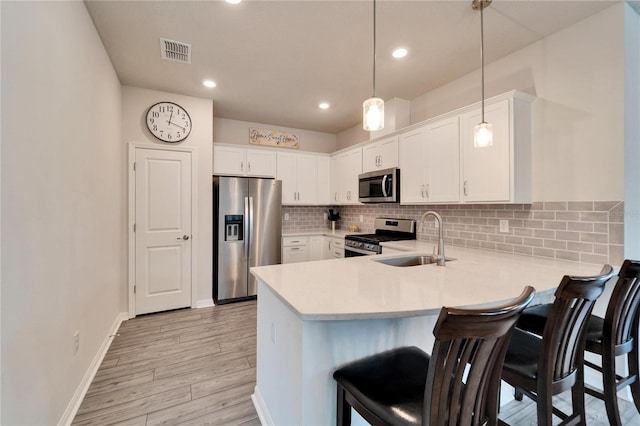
<point x="168" y="122"/>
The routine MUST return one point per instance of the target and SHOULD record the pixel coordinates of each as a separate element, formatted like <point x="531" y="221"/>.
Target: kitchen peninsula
<point x="315" y="316"/>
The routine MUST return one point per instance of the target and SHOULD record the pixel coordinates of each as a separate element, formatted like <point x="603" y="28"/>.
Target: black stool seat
<point x="523" y="355"/>
<point x="391" y="384"/>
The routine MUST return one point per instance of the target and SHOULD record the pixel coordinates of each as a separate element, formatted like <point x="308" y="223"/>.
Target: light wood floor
<point x="197" y="367"/>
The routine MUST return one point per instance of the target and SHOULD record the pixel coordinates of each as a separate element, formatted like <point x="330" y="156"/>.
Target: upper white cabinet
<point x="334" y="180"/>
<point x="501" y="172"/>
<point x="430" y="163"/>
<point x="323" y="190"/>
<point x="349" y="167"/>
<point x="382" y="154"/>
<point x="299" y="176"/>
<point x="238" y="161"/>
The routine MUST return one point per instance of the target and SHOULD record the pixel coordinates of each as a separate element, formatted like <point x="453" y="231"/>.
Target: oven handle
<point x="357" y="250"/>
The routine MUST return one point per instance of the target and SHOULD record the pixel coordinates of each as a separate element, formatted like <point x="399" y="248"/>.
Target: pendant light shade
<point x="483" y="131"/>
<point x="373" y="108"/>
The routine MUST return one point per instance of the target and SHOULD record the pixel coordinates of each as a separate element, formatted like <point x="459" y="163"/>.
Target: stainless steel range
<point x="385" y="230"/>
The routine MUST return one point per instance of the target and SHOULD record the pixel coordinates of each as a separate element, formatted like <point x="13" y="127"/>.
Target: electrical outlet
<point x="325" y="216"/>
<point x="286" y="216"/>
<point x="504" y="226"/>
<point x="273" y="333"/>
<point x="76" y="342"/>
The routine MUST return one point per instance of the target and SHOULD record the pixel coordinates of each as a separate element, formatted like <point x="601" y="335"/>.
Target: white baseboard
<point x="204" y="303"/>
<point x="78" y="396"/>
<point x="261" y="408"/>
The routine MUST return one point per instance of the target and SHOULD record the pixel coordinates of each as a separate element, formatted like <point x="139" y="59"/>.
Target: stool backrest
<point x="623" y="306"/>
<point x="463" y="379"/>
<point x="564" y="334"/>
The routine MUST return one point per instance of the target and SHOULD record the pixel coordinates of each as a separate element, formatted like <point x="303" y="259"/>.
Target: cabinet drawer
<point x="337" y="253"/>
<point x="294" y="241"/>
<point x="338" y="243"/>
<point x="295" y="254"/>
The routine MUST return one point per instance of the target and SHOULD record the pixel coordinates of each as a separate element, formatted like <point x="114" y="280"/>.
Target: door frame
<point x="133" y="146"/>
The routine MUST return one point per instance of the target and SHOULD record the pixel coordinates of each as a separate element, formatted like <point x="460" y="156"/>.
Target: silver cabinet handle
<point x="248" y="166"/>
<point x="184" y="237"/>
<point x="242" y="166"/>
<point x="422" y="190"/>
<point x="427" y="190"/>
<point x="465" y="188"/>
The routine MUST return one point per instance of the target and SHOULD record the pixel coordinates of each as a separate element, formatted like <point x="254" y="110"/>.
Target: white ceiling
<point x="274" y="61"/>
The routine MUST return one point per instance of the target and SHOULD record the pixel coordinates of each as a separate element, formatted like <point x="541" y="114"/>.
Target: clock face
<point x="168" y="122"/>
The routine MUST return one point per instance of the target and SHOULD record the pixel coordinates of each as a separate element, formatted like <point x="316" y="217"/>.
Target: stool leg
<point x="343" y="413"/>
<point x="517" y="394"/>
<point x="609" y="388"/>
<point x="634" y="367"/>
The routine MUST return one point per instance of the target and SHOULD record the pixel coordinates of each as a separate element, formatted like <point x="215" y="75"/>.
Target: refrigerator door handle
<point x="250" y="226"/>
<point x="246" y="225"/>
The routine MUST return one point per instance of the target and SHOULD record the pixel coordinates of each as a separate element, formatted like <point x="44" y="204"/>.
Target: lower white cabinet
<point x="295" y="249"/>
<point x="333" y="248"/>
<point x="316" y="244"/>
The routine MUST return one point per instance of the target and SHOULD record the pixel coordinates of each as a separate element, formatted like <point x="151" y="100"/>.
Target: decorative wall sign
<point x="274" y="138"/>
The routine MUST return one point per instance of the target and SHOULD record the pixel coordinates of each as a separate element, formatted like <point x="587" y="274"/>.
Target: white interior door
<point x="162" y="230"/>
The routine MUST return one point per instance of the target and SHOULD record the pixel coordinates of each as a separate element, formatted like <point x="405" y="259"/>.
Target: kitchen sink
<point x="411" y="260"/>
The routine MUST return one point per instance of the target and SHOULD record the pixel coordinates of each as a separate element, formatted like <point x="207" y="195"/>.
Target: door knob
<point x="184" y="237"/>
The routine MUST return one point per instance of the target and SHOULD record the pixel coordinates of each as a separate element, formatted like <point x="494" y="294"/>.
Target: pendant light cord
<point x="374" y="49"/>
<point x="482" y="52"/>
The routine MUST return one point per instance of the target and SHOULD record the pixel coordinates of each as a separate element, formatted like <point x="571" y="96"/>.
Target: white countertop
<point x="360" y="288"/>
<point x="325" y="232"/>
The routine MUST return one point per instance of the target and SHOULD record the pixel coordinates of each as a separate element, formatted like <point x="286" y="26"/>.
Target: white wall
<point x="63" y="211"/>
<point x="578" y="127"/>
<point x="632" y="134"/>
<point x="237" y="132"/>
<point x="135" y="103"/>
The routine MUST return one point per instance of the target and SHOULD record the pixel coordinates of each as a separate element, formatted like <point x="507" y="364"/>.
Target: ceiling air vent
<point x="177" y="51"/>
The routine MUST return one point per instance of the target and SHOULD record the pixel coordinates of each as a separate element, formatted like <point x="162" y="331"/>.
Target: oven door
<point x="354" y="252"/>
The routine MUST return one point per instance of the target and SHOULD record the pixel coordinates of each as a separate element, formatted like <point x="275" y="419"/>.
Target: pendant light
<point x="373" y="108"/>
<point x="483" y="131"/>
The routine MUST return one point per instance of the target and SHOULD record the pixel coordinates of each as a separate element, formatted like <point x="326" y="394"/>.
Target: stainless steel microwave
<point x="379" y="186"/>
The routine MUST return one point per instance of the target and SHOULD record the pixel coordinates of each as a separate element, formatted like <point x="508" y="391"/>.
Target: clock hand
<point x="170" y="115"/>
<point x="183" y="129"/>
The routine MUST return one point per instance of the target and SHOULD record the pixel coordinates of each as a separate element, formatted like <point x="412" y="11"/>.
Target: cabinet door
<point x="261" y="163"/>
<point x="443" y="161"/>
<point x="323" y="187"/>
<point x="370" y="155"/>
<point x="315" y="247"/>
<point x="334" y="179"/>
<point x="412" y="166"/>
<point x="388" y="153"/>
<point x="295" y="254"/>
<point x="228" y="160"/>
<point x="307" y="179"/>
<point x="486" y="172"/>
<point x="350" y="164"/>
<point x="286" y="172"/>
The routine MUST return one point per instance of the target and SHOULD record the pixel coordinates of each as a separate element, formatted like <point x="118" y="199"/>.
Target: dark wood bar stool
<point x="614" y="335"/>
<point x="550" y="364"/>
<point x="457" y="384"/>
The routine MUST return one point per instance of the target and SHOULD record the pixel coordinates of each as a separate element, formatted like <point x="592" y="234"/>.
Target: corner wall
<point x="63" y="206"/>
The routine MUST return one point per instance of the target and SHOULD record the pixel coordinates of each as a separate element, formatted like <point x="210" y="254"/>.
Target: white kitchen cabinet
<point x="381" y="154"/>
<point x="333" y="248"/>
<point x="238" y="161"/>
<point x="323" y="189"/>
<point x="349" y="167"/>
<point x="299" y="176"/>
<point x="430" y="163"/>
<point x="500" y="173"/>
<point x="316" y="243"/>
<point x="334" y="179"/>
<point x="295" y="249"/>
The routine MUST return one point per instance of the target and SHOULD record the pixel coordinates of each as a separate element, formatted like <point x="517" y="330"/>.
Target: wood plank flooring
<point x="198" y="367"/>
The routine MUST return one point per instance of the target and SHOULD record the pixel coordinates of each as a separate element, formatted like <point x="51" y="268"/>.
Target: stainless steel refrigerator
<point x="247" y="231"/>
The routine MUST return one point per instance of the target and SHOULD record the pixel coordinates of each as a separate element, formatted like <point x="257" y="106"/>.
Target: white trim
<point x="132" y="217"/>
<point x="261" y="408"/>
<point x="81" y="390"/>
<point x="204" y="303"/>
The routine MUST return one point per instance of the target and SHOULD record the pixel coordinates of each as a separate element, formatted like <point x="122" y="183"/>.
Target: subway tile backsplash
<point x="585" y="231"/>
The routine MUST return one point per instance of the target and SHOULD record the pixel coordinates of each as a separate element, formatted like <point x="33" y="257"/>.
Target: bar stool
<point x="614" y="335"/>
<point x="550" y="364"/>
<point x="457" y="384"/>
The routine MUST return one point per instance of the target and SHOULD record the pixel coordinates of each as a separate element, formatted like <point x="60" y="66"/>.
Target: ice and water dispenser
<point x="233" y="227"/>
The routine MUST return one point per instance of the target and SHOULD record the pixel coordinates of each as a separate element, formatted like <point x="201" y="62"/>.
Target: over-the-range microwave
<point x="379" y="186"/>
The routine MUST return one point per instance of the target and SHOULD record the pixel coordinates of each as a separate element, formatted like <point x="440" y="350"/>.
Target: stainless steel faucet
<point x="440" y="254"/>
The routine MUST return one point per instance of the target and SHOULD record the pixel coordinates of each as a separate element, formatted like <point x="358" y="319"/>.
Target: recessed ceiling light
<point x="324" y="105"/>
<point x="234" y="1"/>
<point x="401" y="52"/>
<point x="209" y="83"/>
